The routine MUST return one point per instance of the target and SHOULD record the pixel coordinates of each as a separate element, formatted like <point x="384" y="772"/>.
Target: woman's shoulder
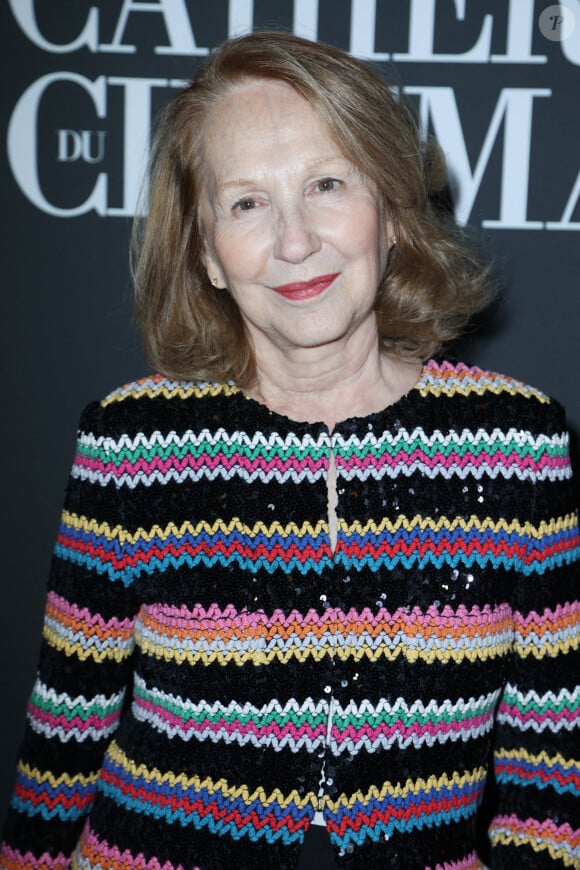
<point x="449" y="376"/>
<point x="489" y="394"/>
<point x="156" y="401"/>
<point x="157" y="387"/>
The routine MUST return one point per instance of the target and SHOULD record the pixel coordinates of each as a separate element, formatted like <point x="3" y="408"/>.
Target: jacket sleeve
<point x="537" y="742"/>
<point x="84" y="665"/>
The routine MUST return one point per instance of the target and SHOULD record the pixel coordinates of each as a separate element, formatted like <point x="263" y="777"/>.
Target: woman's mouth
<point x="306" y="289"/>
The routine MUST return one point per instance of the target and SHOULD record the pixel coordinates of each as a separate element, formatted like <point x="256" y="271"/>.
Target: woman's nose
<point x="296" y="238"/>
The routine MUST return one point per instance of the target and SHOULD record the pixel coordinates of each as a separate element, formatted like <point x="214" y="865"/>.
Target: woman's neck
<point x="333" y="384"/>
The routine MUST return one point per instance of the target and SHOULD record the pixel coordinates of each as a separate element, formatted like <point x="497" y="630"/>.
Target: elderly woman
<point x="313" y="589"/>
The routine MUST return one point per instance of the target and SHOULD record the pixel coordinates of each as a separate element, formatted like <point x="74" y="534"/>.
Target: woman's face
<point x="293" y="229"/>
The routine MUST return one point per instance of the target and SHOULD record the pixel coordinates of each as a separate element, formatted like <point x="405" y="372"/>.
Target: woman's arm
<point x="84" y="666"/>
<point x="537" y="739"/>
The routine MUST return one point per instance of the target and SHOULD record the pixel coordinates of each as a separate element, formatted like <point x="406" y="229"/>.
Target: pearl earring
<point x="393" y="240"/>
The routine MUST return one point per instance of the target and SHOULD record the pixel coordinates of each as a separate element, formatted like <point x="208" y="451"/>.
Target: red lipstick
<point x="306" y="289"/>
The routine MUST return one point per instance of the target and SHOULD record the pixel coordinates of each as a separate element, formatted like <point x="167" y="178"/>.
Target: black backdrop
<point x="496" y="80"/>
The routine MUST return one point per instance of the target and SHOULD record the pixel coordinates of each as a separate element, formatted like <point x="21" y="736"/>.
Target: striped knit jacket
<point x="213" y="672"/>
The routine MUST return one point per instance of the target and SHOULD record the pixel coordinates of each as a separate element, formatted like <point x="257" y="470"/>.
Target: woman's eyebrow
<point x="311" y="165"/>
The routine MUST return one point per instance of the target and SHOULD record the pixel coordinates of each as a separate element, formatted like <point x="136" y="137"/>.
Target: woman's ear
<point x="213" y="267"/>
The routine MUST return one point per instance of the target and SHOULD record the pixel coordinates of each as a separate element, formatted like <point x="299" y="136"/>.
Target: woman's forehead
<point x="264" y="121"/>
<point x="261" y="99"/>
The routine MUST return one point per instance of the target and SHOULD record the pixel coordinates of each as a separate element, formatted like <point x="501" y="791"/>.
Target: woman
<point x="335" y="569"/>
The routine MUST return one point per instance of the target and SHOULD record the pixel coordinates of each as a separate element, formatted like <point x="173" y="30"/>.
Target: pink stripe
<point x="202" y="462"/>
<point x="229" y="618"/>
<point x="401" y="458"/>
<point x="568" y="612"/>
<point x="559" y="833"/>
<point x="83" y="615"/>
<point x="13" y="858"/>
<point x="76" y="724"/>
<point x="491" y="460"/>
<point x="514" y="712"/>
<point x="352" y="733"/>
<point x="92" y="848"/>
<point x="233" y="728"/>
<point x="455" y="727"/>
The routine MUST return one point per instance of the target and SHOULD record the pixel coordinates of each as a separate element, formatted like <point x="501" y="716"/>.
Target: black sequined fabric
<point x="215" y="676"/>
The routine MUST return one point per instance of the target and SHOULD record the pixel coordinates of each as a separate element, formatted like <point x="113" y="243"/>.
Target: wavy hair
<point x="433" y="283"/>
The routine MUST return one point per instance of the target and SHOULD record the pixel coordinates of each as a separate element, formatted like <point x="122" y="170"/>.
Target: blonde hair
<point x="433" y="284"/>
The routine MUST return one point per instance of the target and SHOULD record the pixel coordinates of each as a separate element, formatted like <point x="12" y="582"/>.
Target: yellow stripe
<point x="212" y="786"/>
<point x="144" y="388"/>
<point x="556" y="852"/>
<point x="471" y="385"/>
<point x="539" y="758"/>
<point x="396" y="790"/>
<point x="341" y="651"/>
<point x="411" y="787"/>
<point x="43" y="777"/>
<point x="550" y="649"/>
<point x="83" y="523"/>
<point x="76" y="649"/>
<point x="407" y="524"/>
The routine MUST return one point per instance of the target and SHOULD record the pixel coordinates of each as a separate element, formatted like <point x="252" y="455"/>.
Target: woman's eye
<point x="245" y="204"/>
<point x="325" y="185"/>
